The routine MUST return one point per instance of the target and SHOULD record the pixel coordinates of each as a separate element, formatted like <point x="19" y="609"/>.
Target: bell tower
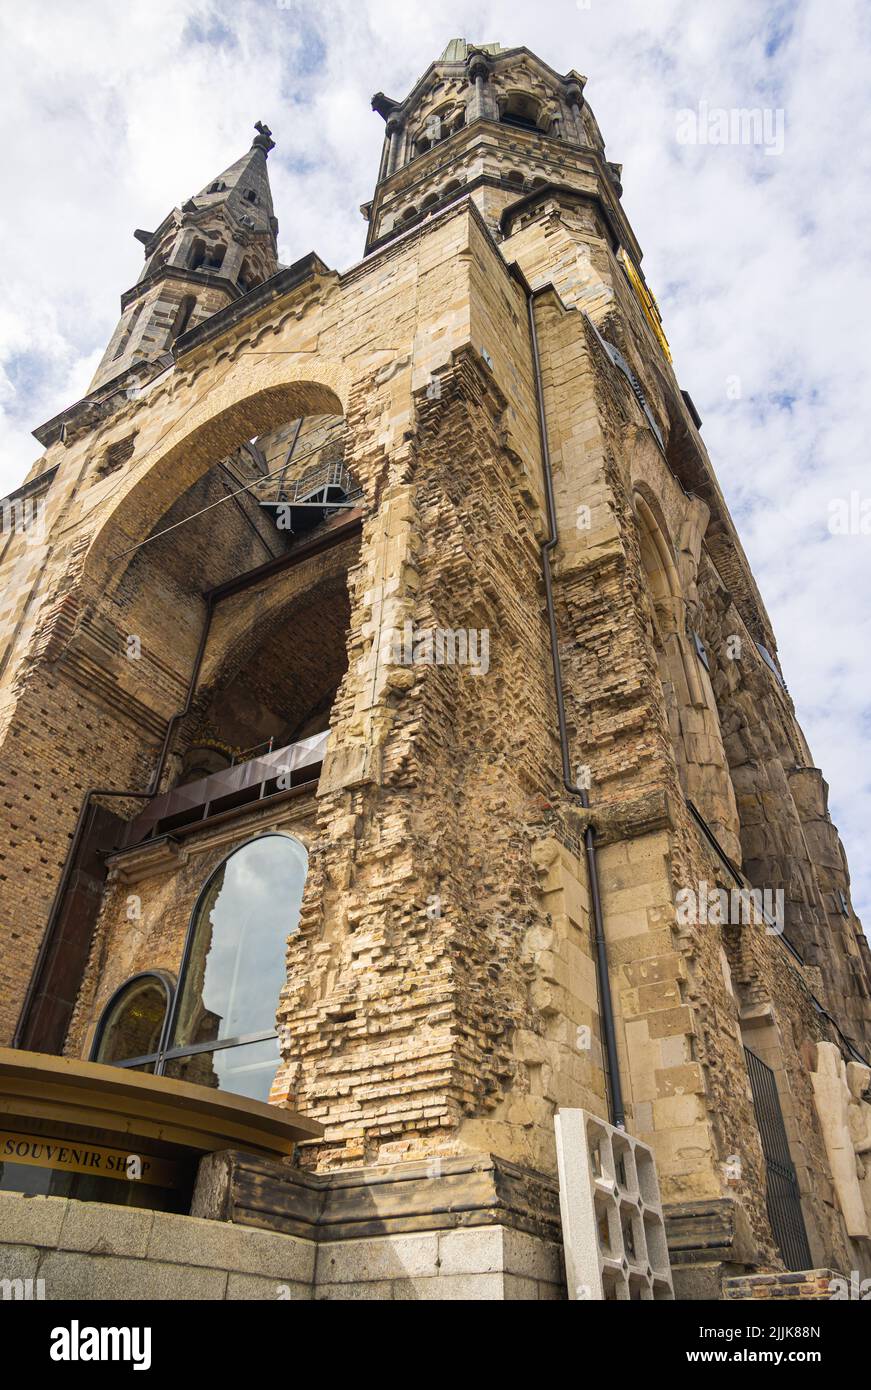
<point x="491" y="122"/>
<point x="391" y="728"/>
<point x="214" y="248"/>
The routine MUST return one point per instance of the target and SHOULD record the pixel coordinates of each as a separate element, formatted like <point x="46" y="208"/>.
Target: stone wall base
<point x="709" y="1243"/>
<point x="57" y="1248"/>
<point x="814" y="1285"/>
<point x="469" y="1227"/>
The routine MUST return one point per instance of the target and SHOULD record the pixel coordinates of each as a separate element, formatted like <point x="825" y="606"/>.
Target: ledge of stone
<point x="426" y="1195"/>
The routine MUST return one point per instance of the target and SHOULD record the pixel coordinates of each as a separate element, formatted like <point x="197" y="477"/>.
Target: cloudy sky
<point x="115" y="113"/>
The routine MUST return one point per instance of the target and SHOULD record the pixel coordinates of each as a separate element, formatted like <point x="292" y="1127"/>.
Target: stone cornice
<point x="452" y="150"/>
<point x="283" y="282"/>
<point x="504" y="58"/>
<point x="176" y="272"/>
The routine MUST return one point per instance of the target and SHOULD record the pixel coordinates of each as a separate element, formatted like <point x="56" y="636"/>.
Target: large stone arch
<point x="224" y="414"/>
<point x="691" y="705"/>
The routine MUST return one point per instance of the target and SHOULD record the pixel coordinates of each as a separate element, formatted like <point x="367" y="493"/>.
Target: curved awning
<point x="120" y="1102"/>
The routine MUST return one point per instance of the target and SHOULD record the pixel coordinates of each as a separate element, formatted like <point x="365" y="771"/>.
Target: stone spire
<point x="242" y="192"/>
<point x="218" y="245"/>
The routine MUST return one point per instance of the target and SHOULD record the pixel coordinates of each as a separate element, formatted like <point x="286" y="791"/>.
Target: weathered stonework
<point x="442" y="997"/>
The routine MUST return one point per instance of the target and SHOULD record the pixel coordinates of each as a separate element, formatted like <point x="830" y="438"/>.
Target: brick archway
<point x="224" y="414"/>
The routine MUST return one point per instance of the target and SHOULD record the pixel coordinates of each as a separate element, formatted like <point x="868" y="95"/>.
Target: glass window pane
<point x="134" y="1022"/>
<point x="248" y="1070"/>
<point x="235" y="968"/>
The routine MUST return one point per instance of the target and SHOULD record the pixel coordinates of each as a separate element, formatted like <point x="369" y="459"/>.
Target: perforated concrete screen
<point x="613" y="1231"/>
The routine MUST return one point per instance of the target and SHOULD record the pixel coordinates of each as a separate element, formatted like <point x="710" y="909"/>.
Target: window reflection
<point x="231" y="977"/>
<point x="235" y="965"/>
<point x="246" y="1069"/>
<point x="133" y="1021"/>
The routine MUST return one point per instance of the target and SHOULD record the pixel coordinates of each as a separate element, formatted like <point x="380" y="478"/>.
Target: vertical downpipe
<point x="606" y="1005"/>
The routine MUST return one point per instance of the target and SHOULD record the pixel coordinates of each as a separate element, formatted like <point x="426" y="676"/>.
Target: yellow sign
<point x="72" y="1156"/>
<point x="646" y="300"/>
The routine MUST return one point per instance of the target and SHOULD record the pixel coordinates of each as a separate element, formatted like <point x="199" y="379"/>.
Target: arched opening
<point x="691" y="708"/>
<point x="183" y="316"/>
<point x="217" y="1027"/>
<point x="521" y="111"/>
<point x="234" y="968"/>
<point x="186" y="489"/>
<point x="438" y="126"/>
<point x="274" y="655"/>
<point x="248" y="277"/>
<point x="660" y="572"/>
<point x="133" y="1022"/>
<point x="198" y="519"/>
<point x="207" y="256"/>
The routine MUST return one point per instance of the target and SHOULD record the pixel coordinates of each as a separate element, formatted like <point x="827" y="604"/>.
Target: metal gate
<point x="781" y="1184"/>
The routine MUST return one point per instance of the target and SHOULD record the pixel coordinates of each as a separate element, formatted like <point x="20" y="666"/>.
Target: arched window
<point x="660" y="573"/>
<point x="197" y="253"/>
<point x="221" y="1030"/>
<point x="183" y="316"/>
<point x="247" y="277"/>
<point x="203" y="257"/>
<point x="132" y="1025"/>
<point x="521" y="111"/>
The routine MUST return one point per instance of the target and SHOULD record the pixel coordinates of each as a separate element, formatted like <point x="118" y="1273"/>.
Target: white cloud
<point x="119" y="112"/>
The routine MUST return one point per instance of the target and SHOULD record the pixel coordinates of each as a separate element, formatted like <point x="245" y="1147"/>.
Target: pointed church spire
<point x="218" y="245"/>
<point x="243" y="190"/>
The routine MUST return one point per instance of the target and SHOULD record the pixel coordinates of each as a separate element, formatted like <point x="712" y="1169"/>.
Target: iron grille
<point x="781" y="1184"/>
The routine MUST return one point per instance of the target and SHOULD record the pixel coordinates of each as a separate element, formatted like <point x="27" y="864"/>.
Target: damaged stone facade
<point x="441" y="996"/>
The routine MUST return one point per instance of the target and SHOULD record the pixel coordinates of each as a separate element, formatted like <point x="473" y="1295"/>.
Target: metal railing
<point x="782" y="1196"/>
<point x="240" y="785"/>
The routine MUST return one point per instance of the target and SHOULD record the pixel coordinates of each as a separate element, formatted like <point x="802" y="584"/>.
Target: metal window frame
<point x="163" y="978"/>
<point x="173" y="987"/>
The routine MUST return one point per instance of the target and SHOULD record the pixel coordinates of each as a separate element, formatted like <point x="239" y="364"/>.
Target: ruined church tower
<point x="392" y="730"/>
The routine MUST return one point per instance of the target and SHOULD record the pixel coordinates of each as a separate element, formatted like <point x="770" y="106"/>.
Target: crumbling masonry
<point x="441" y="997"/>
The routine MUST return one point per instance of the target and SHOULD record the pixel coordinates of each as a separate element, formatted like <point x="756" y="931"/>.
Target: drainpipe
<point x="606" y="1005"/>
